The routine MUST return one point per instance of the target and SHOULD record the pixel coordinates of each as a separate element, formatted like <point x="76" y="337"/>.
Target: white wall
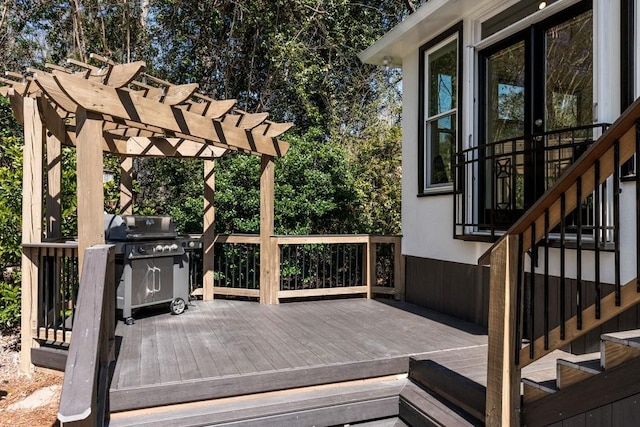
<point x="427" y="222"/>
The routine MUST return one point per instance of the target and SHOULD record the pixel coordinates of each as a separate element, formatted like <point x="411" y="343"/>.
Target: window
<point x="440" y="100"/>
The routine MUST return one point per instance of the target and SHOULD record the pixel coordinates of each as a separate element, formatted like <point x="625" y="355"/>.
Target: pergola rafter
<point x="119" y="109"/>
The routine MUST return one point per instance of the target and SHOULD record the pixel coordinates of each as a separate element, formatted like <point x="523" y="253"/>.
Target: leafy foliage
<point x="10" y="300"/>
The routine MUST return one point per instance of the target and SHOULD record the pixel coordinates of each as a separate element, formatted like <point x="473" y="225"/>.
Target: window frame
<point x="425" y="188"/>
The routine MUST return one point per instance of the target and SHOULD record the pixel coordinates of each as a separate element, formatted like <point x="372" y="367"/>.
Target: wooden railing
<point x="519" y="273"/>
<point x="49" y="292"/>
<point x="310" y="266"/>
<point x="83" y="400"/>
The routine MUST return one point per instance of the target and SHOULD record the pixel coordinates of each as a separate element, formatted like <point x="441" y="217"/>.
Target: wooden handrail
<point x="85" y="388"/>
<point x="506" y="257"/>
<point x="622" y="130"/>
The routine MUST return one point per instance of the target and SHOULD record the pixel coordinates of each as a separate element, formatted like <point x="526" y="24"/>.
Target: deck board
<point x="227" y="347"/>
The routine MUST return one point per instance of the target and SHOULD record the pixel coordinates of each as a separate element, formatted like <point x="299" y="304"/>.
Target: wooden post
<point x="371" y="266"/>
<point x="32" y="175"/>
<point x="126" y="185"/>
<point x="398" y="269"/>
<point x="54" y="195"/>
<point x="209" y="234"/>
<point x="268" y="289"/>
<point x="90" y="188"/>
<point x="503" y="376"/>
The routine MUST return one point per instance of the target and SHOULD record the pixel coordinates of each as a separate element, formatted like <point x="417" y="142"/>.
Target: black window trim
<point x="451" y="31"/>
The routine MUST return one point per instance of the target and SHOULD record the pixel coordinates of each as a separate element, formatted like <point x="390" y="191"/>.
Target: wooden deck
<point x="228" y="348"/>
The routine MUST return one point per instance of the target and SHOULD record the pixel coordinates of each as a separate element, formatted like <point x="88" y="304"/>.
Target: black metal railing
<point x="385" y="264"/>
<point x="57" y="289"/>
<point x="237" y="265"/>
<point x="498" y="181"/>
<point x="317" y="266"/>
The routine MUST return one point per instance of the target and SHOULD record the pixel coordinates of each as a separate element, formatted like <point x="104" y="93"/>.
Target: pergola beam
<point x="129" y="106"/>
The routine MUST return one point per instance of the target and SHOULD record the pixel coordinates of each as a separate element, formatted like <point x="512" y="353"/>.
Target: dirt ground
<point x="16" y="386"/>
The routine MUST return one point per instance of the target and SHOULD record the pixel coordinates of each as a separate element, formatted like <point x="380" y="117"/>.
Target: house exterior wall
<point x="434" y="256"/>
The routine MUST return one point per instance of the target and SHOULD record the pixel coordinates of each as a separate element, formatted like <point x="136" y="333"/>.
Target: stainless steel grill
<point x="152" y="266"/>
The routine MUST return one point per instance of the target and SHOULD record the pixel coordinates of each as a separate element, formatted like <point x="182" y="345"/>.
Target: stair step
<point x="571" y="372"/>
<point x="420" y="407"/>
<point x="323" y="405"/>
<point x="450" y="385"/>
<point x="619" y="347"/>
<point x="535" y="390"/>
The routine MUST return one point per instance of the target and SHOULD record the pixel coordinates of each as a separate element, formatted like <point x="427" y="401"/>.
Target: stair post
<point x="503" y="376"/>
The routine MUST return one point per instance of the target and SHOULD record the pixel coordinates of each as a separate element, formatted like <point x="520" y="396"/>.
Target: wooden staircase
<point x="591" y="384"/>
<point x="539" y="291"/>
<point x="433" y="397"/>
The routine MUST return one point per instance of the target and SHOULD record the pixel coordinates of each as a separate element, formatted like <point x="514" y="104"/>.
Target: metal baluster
<point x="518" y="328"/>
<point x="563" y="279"/>
<point x="56" y="293"/>
<point x="64" y="259"/>
<point x="616" y="217"/>
<point x="532" y="293"/>
<point x="596" y="234"/>
<point x="637" y="172"/>
<point x="579" y="252"/>
<point x="546" y="279"/>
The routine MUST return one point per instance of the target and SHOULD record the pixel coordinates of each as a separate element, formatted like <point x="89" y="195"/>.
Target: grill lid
<point x="139" y="227"/>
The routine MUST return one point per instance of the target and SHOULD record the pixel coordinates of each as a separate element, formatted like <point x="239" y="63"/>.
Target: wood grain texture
<point x="32" y="176"/>
<point x="90" y="186"/>
<point x="629" y="298"/>
<point x="78" y="398"/>
<point x="143" y="111"/>
<point x="600" y="390"/>
<point x="126" y="185"/>
<point x="172" y="147"/>
<point x="268" y="287"/>
<point x="53" y="201"/>
<point x="614" y="354"/>
<point x="302" y="343"/>
<point x="208" y="236"/>
<point x="503" y="376"/>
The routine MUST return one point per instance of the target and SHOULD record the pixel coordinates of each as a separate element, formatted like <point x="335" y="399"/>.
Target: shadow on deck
<point x="230" y="348"/>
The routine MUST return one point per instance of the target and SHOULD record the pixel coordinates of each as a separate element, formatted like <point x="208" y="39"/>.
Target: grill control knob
<point x="174" y="247"/>
<point x="142" y="250"/>
<point x="158" y="248"/>
<point x="166" y="248"/>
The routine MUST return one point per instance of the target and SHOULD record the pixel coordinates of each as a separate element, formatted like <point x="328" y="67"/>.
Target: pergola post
<point x="209" y="234"/>
<point x="34" y="138"/>
<point x="90" y="186"/>
<point x="53" y="202"/>
<point x="268" y="287"/>
<point x="126" y="185"/>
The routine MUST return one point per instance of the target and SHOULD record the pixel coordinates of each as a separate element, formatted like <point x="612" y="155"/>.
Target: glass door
<point x="538" y="92"/>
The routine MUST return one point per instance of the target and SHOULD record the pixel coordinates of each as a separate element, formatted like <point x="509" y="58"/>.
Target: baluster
<point x="579" y="252"/>
<point x="637" y="173"/>
<point x="532" y="292"/>
<point x="519" y="302"/>
<point x="596" y="233"/>
<point x="563" y="279"/>
<point x="546" y="279"/>
<point x="616" y="217"/>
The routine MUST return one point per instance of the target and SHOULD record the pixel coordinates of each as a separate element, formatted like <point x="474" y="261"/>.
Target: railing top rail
<point x="336" y="238"/>
<point x="57" y="244"/>
<point x="606" y="142"/>
<point x="601" y="126"/>
<point x="81" y="371"/>
<point x="310" y="238"/>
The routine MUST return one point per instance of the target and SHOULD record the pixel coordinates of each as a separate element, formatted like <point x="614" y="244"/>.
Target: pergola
<point x="119" y="109"/>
